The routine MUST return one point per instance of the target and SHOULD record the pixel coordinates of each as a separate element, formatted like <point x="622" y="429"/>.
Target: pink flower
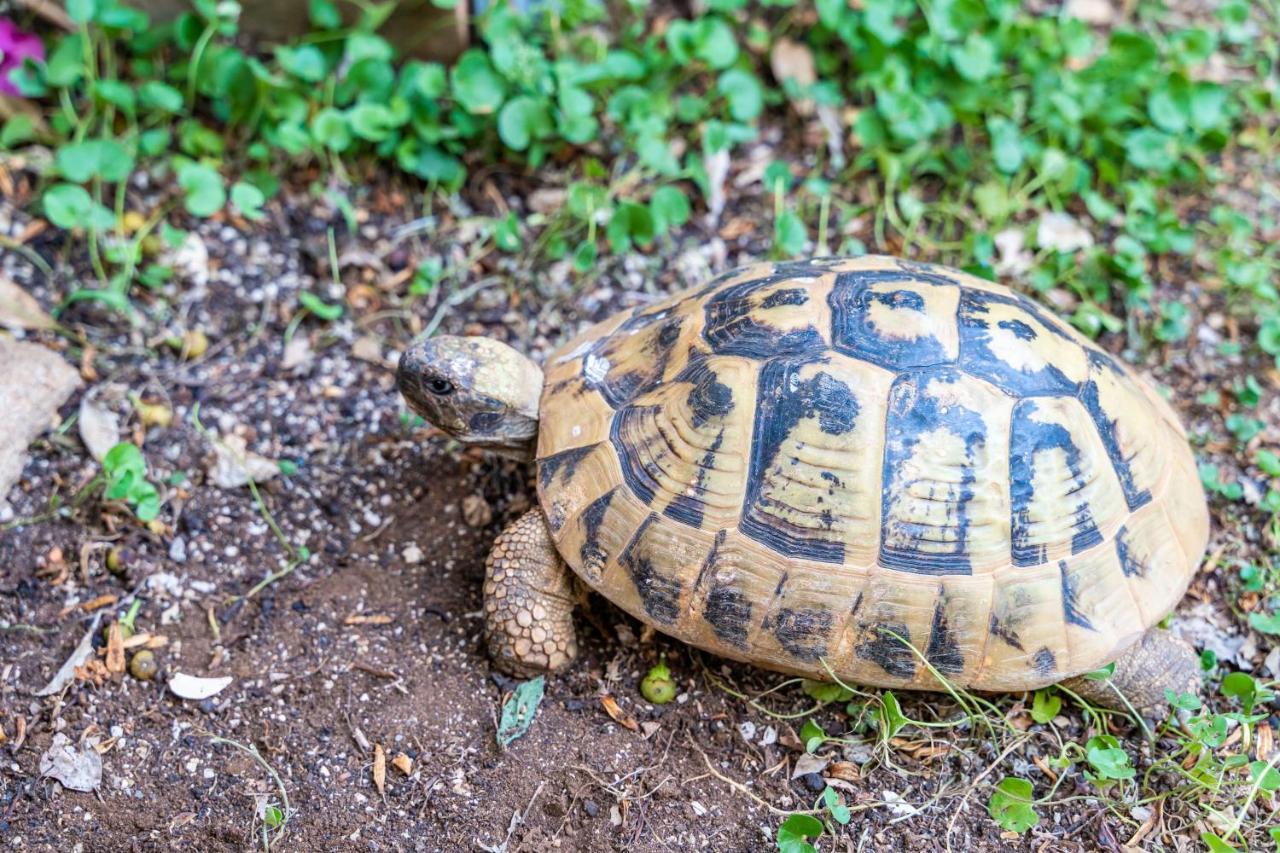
<point x="16" y="47"/>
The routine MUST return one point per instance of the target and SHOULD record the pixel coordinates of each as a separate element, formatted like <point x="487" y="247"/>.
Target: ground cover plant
<point x="1118" y="164"/>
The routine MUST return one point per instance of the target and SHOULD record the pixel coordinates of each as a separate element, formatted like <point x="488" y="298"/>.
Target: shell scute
<point x="945" y="444"/>
<point x="895" y="320"/>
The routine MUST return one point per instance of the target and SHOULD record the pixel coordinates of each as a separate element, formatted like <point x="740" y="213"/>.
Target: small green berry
<point x="116" y="561"/>
<point x="143" y="665"/>
<point x="658" y="686"/>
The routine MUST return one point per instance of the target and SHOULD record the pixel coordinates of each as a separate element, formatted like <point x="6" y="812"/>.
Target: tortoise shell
<point x="888" y="468"/>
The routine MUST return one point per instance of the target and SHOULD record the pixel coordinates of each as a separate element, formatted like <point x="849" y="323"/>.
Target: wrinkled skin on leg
<point x="1159" y="661"/>
<point x="528" y="601"/>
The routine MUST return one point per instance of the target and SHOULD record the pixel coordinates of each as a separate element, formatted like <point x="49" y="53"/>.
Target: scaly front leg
<point x="528" y="600"/>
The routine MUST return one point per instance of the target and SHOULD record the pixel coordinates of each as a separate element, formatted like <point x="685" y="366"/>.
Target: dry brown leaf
<point x="737" y="227"/>
<point x="1266" y="742"/>
<point x="792" y="60"/>
<point x="20" y="736"/>
<point x="845" y="770"/>
<point x="99" y="424"/>
<point x="368" y="619"/>
<point x="619" y="716"/>
<point x="380" y="769"/>
<point x="99" y="602"/>
<point x="70" y="668"/>
<point x="54" y="568"/>
<point x="93" y="671"/>
<point x="403" y="763"/>
<point x="19" y="309"/>
<point x="146" y="640"/>
<point x="1045" y="769"/>
<point x="234" y="465"/>
<point x="115" y="648"/>
<point x="88" y="372"/>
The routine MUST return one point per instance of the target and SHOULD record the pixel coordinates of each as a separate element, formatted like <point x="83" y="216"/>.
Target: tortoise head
<point x="476" y="390"/>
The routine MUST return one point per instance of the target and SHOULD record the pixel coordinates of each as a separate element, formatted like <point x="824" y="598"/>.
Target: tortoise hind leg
<point x="528" y="600"/>
<point x="1157" y="662"/>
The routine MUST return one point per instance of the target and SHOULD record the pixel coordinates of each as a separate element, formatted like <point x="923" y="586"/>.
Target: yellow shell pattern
<point x="885" y="468"/>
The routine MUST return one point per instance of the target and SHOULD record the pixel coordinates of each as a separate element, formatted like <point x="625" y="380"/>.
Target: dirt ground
<point x="375" y="639"/>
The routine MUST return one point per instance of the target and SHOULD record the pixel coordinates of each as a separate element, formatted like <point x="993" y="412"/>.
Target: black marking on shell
<point x="913" y="415"/>
<point x="801" y="631"/>
<point x="943" y="651"/>
<point x="591" y="554"/>
<point x="790" y="296"/>
<point x="1006" y="634"/>
<point x="642" y="481"/>
<point x="1045" y="662"/>
<point x="978" y="358"/>
<point x="853" y="332"/>
<point x="1021" y="330"/>
<point x="689" y="509"/>
<point x="887" y="651"/>
<point x="565" y="461"/>
<point x="618" y="389"/>
<point x="709" y="398"/>
<point x="602" y="373"/>
<point x="1131" y="564"/>
<point x="1070" y="604"/>
<point x="1090" y="396"/>
<point x="710" y="562"/>
<point x="784" y="400"/>
<point x="728" y="612"/>
<point x="659" y="593"/>
<point x="1029" y="440"/>
<point x="733" y="325"/>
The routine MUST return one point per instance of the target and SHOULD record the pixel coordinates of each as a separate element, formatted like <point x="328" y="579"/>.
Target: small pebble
<point x="813" y="782"/>
<point x="590" y="808"/>
<point x="178" y="550"/>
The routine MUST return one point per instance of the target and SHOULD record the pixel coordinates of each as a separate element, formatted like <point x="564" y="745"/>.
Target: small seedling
<point x="126" y="479"/>
<point x="1012" y="805"/>
<point x="794" y="833"/>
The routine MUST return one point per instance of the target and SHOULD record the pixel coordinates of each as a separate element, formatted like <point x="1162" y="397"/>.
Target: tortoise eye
<point x="440" y="387"/>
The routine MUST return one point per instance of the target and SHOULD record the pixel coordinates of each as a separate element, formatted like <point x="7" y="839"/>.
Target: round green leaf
<point x="370" y="121"/>
<point x="305" y="62"/>
<point x="476" y="86"/>
<point x="248" y="199"/>
<point x="70" y="206"/>
<point x="330" y="129"/>
<point x="1150" y="149"/>
<point x="154" y="95"/>
<point x="714" y="42"/>
<point x="204" y="188"/>
<point x="975" y="60"/>
<point x="744" y="93"/>
<point x="670" y="208"/>
<point x="522" y="120"/>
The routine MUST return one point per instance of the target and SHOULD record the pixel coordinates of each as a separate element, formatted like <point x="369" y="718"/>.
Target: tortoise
<point x="887" y="472"/>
